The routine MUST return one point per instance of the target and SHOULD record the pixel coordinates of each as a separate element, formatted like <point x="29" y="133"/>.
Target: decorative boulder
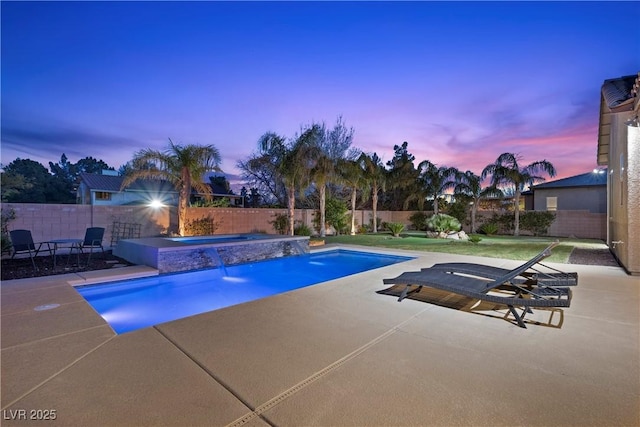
<point x="462" y="235"/>
<point x="453" y="236"/>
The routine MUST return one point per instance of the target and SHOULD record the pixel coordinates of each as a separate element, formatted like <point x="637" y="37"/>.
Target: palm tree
<point x="375" y="175"/>
<point x="353" y="177"/>
<point x="181" y="165"/>
<point x="331" y="145"/>
<point x="320" y="174"/>
<point x="292" y="162"/>
<point x="434" y="182"/>
<point x="506" y="171"/>
<point x="470" y="185"/>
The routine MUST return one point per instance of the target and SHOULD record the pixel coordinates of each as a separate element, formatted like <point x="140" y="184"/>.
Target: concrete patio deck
<point x="334" y="354"/>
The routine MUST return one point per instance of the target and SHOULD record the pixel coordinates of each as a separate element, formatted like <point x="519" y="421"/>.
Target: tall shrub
<point x="280" y="223"/>
<point x="418" y="220"/>
<point x="336" y="215"/>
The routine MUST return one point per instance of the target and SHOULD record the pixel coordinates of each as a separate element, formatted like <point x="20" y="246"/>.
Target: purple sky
<point x="461" y="82"/>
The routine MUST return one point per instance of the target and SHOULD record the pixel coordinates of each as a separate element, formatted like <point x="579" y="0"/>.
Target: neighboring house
<point x="105" y="189"/>
<point x="619" y="150"/>
<point x="587" y="191"/>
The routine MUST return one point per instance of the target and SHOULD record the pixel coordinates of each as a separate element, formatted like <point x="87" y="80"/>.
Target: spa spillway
<point x="171" y="254"/>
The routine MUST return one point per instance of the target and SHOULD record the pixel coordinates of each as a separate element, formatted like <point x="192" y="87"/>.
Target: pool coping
<point x="325" y="354"/>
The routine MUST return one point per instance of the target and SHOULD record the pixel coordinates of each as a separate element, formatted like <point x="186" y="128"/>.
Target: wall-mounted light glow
<point x="633" y="122"/>
<point x="156" y="204"/>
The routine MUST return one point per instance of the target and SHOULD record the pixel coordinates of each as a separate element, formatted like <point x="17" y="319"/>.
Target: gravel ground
<point x="21" y="268"/>
<point x="592" y="257"/>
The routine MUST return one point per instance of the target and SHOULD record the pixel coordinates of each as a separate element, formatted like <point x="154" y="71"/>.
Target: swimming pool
<point x="134" y="304"/>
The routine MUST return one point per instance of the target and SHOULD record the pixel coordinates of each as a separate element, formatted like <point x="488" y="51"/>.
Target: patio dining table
<point x="71" y="244"/>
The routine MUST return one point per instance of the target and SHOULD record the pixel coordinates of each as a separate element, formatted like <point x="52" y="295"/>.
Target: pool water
<point x="138" y="303"/>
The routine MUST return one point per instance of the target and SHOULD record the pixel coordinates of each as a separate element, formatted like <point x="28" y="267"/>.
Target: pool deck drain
<point x="333" y="354"/>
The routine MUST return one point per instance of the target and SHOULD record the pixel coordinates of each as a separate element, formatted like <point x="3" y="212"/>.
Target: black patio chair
<point x="22" y="243"/>
<point x="92" y="240"/>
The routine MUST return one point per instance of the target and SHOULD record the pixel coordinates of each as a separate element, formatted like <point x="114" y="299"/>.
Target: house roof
<point x="618" y="91"/>
<point x="589" y="179"/>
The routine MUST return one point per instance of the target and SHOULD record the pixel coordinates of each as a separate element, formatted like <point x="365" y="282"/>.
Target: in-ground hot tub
<point x="171" y="254"/>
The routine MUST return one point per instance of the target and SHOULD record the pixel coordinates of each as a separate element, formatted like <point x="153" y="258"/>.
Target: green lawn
<point x="507" y="247"/>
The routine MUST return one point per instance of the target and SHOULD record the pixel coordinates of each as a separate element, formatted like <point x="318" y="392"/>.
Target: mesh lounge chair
<point x="509" y="288"/>
<point x="536" y="274"/>
<point x="22" y="242"/>
<point x="92" y="239"/>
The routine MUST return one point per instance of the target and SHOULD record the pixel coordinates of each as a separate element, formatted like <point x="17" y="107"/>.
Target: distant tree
<point x="12" y="184"/>
<point x="64" y="169"/>
<point x="506" y="171"/>
<point x="260" y="171"/>
<point x="125" y="169"/>
<point x="128" y="167"/>
<point x="336" y="141"/>
<point x="63" y="178"/>
<point x="245" y="196"/>
<point x="34" y="180"/>
<point x="254" y="198"/>
<point x="470" y="185"/>
<point x="221" y="182"/>
<point x="91" y="165"/>
<point x="27" y="181"/>
<point x="182" y="165"/>
<point x="402" y="177"/>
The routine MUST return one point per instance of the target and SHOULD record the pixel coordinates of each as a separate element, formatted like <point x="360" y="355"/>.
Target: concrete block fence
<point x="54" y="221"/>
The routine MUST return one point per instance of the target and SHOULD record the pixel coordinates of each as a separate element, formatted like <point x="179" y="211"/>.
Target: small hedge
<point x="537" y="222"/>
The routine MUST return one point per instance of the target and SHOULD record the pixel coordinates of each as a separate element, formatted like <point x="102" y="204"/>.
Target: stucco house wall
<point x="591" y="199"/>
<point x="619" y="149"/>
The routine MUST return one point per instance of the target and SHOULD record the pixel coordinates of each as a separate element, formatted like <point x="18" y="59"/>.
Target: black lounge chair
<point x="536" y="274"/>
<point x="510" y="288"/>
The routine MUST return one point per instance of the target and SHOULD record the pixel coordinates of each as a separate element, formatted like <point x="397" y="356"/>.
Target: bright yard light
<point x="156" y="204"/>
